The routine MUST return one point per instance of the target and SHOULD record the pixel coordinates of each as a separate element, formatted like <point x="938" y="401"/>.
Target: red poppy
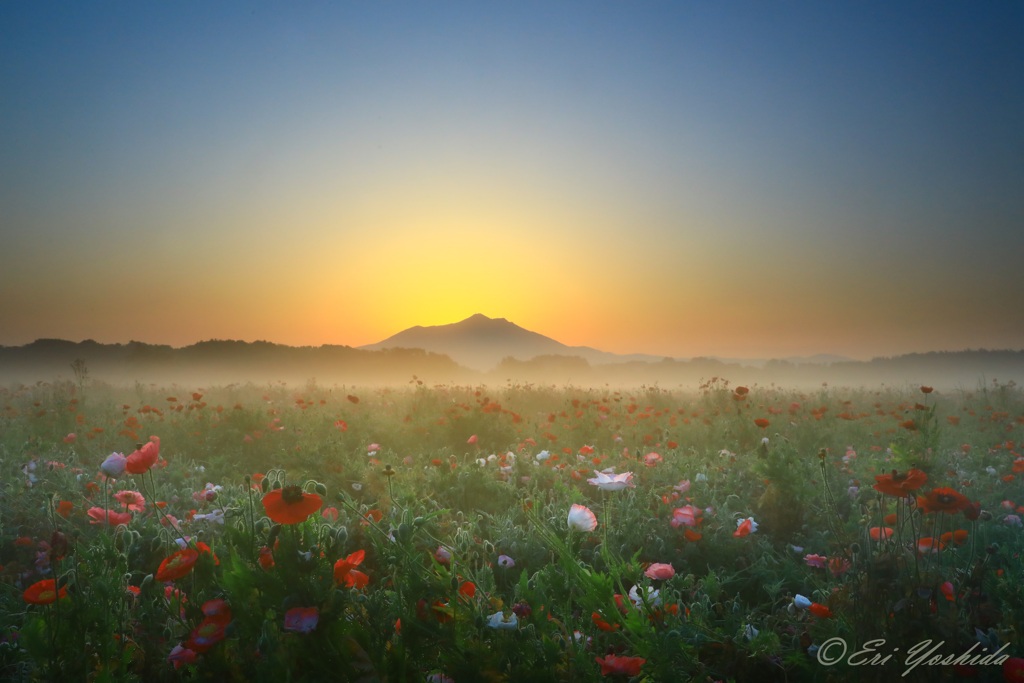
<point x="177" y="565"/>
<point x="601" y="623"/>
<point x="109" y="517"/>
<point x="943" y="500"/>
<point x="820" y="611"/>
<point x="879" y="532"/>
<point x="290" y="505"/>
<point x="144" y="457"/>
<point x="344" y="568"/>
<point x="900" y="484"/>
<point x="266" y="558"/>
<point x="614" y="664"/>
<point x="43" y="592"/>
<point x="762" y="422"/>
<point x="64" y="508"/>
<point x="208" y="633"/>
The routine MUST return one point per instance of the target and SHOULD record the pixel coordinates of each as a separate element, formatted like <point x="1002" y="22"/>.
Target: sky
<point x="735" y="179"/>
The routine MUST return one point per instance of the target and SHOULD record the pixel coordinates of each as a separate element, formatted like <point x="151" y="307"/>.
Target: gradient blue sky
<point x="685" y="178"/>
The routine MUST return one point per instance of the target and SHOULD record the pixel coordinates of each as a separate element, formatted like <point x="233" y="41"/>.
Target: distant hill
<point x="507" y="351"/>
<point x="482" y="343"/>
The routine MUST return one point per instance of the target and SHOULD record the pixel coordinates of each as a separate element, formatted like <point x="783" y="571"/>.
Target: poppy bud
<point x="404" y="532"/>
<point x="320" y="489"/>
<point x="388" y="471"/>
<point x="342" y="535"/>
<point x="277" y="485"/>
<point x="274" y="532"/>
<point x="855" y="548"/>
<point x="265" y="485"/>
<point x="146" y="580"/>
<point x="455" y="583"/>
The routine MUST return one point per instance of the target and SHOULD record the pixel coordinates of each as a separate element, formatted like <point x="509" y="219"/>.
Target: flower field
<point x="516" y="533"/>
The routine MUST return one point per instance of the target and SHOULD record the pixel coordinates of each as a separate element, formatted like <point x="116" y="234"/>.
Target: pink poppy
<point x="581" y="518"/>
<point x="660" y="570"/>
<point x="132" y="500"/>
<point x="101" y="516"/>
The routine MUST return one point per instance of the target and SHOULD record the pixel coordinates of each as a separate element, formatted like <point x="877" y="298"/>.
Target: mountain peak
<point x="478" y="341"/>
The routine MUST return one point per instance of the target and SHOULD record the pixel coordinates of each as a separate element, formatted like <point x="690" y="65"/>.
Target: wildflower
<point x="652" y="459"/>
<point x="745" y="527"/>
<point x="345" y="571"/>
<point x="471" y="440"/>
<point x="132" y="500"/>
<point x="688" y="515"/>
<point x="522" y="610"/>
<point x="762" y="422"/>
<point x="43" y="592"/>
<point x="501" y="622"/>
<point x="181" y="655"/>
<point x="506" y="562"/>
<point x="899" y="484"/>
<point x="108" y="517"/>
<point x="652" y="597"/>
<point x="620" y="665"/>
<point x="820" y="611"/>
<point x="601" y="623"/>
<point x="838" y="565"/>
<point x="928" y="545"/>
<point x="749" y="632"/>
<point x="612" y="482"/>
<point x="144" y="457"/>
<point x="177" y="565"/>
<point x="214" y="517"/>
<point x="801" y="601"/>
<point x="439" y="678"/>
<point x="290" y="505"/>
<point x="683" y="486"/>
<point x="1012" y="520"/>
<point x="208" y="633"/>
<point x="64" y="508"/>
<point x="581" y="518"/>
<point x="331" y="514"/>
<point x="817" y="561"/>
<point x="948" y="591"/>
<point x="301" y="619"/>
<point x="660" y="570"/>
<point x="113" y="467"/>
<point x="70" y="438"/>
<point x="443" y="555"/>
<point x="943" y="500"/>
<point x="878" y="533"/>
<point x="958" y="537"/>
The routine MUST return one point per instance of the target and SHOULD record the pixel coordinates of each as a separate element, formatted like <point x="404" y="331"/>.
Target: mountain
<point x="481" y="343"/>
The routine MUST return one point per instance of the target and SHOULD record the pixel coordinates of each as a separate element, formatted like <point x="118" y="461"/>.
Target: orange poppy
<point x="762" y="422"/>
<point x="43" y="592"/>
<point x="290" y="505"/>
<point x="880" y="532"/>
<point x="899" y="484"/>
<point x="943" y="500"/>
<point x="958" y="537"/>
<point x="177" y="565"/>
